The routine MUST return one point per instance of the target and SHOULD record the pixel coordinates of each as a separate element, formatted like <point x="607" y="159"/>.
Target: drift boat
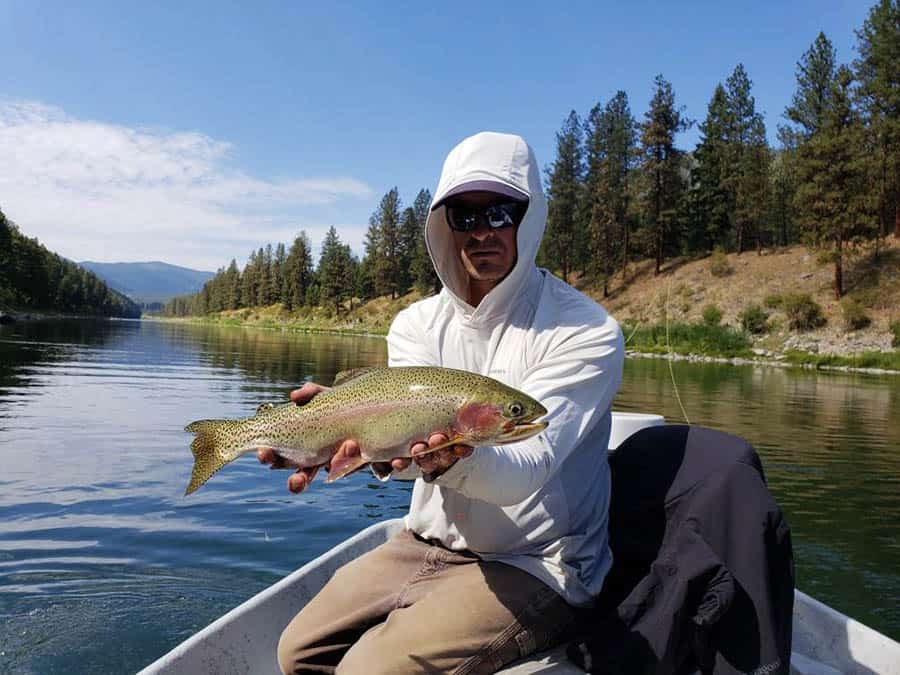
<point x="825" y="642"/>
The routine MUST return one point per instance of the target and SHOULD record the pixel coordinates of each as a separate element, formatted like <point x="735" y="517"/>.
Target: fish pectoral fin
<point x="344" y="466"/>
<point x="456" y="440"/>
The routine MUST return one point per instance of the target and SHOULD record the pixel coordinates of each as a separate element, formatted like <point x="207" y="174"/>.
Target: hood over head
<point x="496" y="162"/>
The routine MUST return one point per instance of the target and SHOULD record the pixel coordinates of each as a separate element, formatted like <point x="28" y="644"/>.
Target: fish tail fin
<point x="211" y="450"/>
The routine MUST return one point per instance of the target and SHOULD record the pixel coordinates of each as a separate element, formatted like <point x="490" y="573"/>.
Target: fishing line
<point x="669" y="349"/>
<point x="636" y="326"/>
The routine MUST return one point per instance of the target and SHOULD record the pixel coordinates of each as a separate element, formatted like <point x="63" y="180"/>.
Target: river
<point x="104" y="565"/>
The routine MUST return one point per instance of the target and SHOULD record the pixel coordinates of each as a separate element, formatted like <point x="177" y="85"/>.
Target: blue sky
<point x="194" y="132"/>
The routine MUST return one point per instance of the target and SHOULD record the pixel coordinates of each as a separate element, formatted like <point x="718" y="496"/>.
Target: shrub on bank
<point x="855" y="316"/>
<point x="754" y="319"/>
<point x="774" y="301"/>
<point x="719" y="265"/>
<point x="803" y="313"/>
<point x="895" y="329"/>
<point x="712" y="315"/>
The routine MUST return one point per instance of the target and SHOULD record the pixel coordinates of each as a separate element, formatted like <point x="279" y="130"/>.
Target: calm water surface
<point x="104" y="565"/>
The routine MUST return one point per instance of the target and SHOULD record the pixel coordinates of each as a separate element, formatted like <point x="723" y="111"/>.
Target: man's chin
<point x="486" y="273"/>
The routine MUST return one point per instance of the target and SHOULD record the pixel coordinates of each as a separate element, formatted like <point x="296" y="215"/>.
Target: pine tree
<point x="278" y="274"/>
<point x="261" y="274"/>
<point x="421" y="206"/>
<point x="373" y="262"/>
<point x="7" y="292"/>
<point x="350" y="266"/>
<point x="781" y="186"/>
<point x="410" y="233"/>
<point x="708" y="177"/>
<point x="815" y="77"/>
<point x="746" y="175"/>
<point x="249" y="282"/>
<point x="298" y="272"/>
<point x="609" y="154"/>
<point x="426" y="279"/>
<point x="363" y="284"/>
<point x="661" y="163"/>
<point x="564" y="196"/>
<point x="335" y="271"/>
<point x="878" y="73"/>
<point x="832" y="191"/>
<point x="233" y="286"/>
<point x="388" y="272"/>
<point x="383" y="248"/>
<point x="268" y="288"/>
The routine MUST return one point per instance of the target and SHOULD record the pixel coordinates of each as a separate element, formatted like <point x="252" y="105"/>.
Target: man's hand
<point x="301" y="479"/>
<point x="435" y="463"/>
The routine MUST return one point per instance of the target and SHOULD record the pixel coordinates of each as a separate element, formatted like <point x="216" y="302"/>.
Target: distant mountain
<point x="149" y="282"/>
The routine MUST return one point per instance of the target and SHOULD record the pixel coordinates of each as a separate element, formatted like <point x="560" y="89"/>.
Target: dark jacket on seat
<point x="703" y="573"/>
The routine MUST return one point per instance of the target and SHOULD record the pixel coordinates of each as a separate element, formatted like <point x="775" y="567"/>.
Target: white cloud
<point x="91" y="190"/>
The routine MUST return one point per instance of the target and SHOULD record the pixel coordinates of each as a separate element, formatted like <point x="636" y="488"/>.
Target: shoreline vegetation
<point x="872" y="362"/>
<point x="707" y="312"/>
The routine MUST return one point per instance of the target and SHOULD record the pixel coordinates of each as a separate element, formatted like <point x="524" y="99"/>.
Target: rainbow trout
<point x="384" y="409"/>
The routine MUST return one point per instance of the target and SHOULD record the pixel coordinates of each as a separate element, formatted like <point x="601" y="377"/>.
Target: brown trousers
<point x="410" y="606"/>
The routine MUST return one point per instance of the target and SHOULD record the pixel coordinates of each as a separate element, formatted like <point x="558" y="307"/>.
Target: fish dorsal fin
<point x="264" y="408"/>
<point x="345" y="376"/>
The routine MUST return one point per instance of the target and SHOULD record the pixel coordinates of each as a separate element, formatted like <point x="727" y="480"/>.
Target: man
<point x="502" y="544"/>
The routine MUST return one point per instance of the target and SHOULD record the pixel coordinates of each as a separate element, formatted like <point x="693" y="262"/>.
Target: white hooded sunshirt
<point x="540" y="504"/>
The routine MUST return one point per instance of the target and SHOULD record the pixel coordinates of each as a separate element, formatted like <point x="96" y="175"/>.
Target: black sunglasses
<point x="497" y="216"/>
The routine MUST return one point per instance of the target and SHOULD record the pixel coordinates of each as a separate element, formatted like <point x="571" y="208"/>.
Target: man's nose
<point x="482" y="229"/>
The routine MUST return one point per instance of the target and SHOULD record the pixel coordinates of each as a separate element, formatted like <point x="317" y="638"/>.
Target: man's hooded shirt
<point x="540" y="504"/>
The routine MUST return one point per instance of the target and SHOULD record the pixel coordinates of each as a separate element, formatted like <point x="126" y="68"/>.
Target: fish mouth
<point x="521" y="429"/>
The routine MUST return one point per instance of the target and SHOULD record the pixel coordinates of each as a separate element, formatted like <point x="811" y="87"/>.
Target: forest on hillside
<point x="620" y="190"/>
<point x="32" y="277"/>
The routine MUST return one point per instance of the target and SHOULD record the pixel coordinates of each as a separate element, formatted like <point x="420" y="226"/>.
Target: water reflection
<point x="99" y="548"/>
<point x="277" y="356"/>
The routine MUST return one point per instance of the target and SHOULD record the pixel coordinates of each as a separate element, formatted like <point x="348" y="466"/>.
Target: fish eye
<point x="516" y="409"/>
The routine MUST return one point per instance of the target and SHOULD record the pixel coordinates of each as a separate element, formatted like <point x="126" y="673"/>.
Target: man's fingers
<point x="433" y="464"/>
<point x="435" y="461"/>
<point x="305" y="393"/>
<point x="273" y="459"/>
<point x="463" y="450"/>
<point x="350" y="448"/>
<point x="299" y="481"/>
<point x="345" y="454"/>
<point x="266" y="455"/>
<point x="400" y="464"/>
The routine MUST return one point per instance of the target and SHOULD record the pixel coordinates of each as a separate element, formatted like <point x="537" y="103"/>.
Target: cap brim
<point x="484" y="186"/>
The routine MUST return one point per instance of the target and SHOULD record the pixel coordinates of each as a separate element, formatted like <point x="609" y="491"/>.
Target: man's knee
<point x="297" y="653"/>
<point x="367" y="656"/>
<point x="289" y="652"/>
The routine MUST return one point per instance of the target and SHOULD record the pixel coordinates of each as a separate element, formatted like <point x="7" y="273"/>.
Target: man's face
<point x="487" y="254"/>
